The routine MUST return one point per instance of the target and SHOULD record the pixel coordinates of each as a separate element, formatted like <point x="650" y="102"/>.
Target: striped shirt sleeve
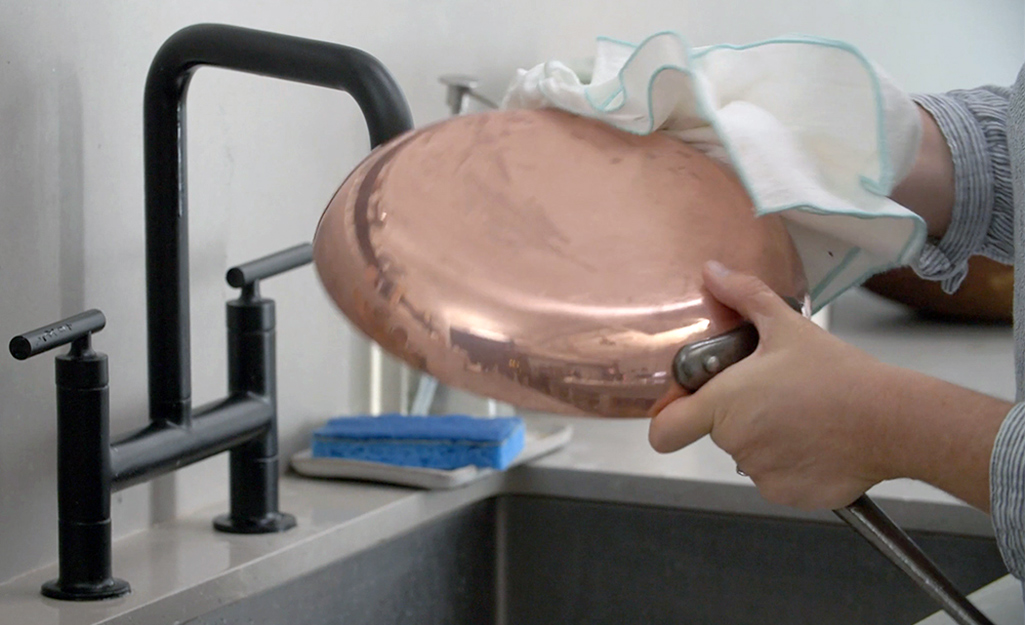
<point x="1007" y="490"/>
<point x="1007" y="464"/>
<point x="974" y="124"/>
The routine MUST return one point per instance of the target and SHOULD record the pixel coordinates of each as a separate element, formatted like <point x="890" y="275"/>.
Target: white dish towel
<point x="814" y="130"/>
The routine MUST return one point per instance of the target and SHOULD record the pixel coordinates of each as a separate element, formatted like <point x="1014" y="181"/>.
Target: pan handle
<point x="881" y="532"/>
<point x="697" y="363"/>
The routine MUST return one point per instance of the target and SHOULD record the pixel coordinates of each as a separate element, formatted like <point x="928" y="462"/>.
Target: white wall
<point x="265" y="158"/>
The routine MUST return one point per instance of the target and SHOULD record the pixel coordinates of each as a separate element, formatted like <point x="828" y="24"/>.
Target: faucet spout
<point x="167" y="250"/>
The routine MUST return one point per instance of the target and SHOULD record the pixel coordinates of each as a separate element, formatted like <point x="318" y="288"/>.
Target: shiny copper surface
<point x="541" y="258"/>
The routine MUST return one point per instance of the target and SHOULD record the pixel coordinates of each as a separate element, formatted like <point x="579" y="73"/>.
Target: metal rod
<point x="426" y="388"/>
<point x="268" y="266"/>
<point x="159" y="448"/>
<point x="459" y="89"/>
<point x="878" y="529"/>
<point x="56" y="334"/>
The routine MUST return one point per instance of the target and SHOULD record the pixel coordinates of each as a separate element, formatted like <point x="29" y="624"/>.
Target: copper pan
<point x="544" y="259"/>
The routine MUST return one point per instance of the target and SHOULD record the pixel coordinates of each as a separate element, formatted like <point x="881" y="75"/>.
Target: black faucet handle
<point x="248" y="274"/>
<point x="76" y="329"/>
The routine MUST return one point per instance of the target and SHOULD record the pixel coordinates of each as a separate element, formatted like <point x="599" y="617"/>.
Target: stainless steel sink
<point x="526" y="559"/>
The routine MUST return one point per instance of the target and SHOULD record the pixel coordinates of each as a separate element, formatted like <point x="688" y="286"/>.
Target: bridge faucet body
<point x="244" y="422"/>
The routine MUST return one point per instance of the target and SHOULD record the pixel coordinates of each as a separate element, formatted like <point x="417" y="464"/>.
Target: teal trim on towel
<point x="886" y="183"/>
<point x="706" y="112"/>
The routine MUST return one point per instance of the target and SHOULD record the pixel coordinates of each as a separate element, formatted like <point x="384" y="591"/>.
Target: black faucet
<point x="90" y="467"/>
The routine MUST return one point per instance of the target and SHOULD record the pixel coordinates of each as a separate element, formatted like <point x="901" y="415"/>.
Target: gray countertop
<point x="182" y="568"/>
<point x="980" y="357"/>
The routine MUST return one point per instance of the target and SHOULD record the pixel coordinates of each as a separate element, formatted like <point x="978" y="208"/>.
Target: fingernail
<point x="716" y="268"/>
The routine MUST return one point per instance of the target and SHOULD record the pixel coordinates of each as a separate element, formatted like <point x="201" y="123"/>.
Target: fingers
<point x="681" y="423"/>
<point x="673" y="393"/>
<point x="745" y="294"/>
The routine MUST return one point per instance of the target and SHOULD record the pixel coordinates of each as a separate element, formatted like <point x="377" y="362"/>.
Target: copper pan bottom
<point x="543" y="259"/>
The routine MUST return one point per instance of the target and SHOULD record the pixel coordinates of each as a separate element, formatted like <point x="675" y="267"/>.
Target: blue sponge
<point x="442" y="442"/>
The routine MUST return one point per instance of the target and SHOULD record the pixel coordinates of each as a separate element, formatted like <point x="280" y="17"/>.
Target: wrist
<point x="885" y="434"/>
<point x="935" y="432"/>
<point x="928" y="190"/>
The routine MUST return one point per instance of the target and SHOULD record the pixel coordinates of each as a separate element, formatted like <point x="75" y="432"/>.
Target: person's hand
<point x="792" y="414"/>
<point x="816" y="422"/>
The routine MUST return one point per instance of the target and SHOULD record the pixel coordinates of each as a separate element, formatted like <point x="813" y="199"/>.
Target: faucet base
<point x="107" y="589"/>
<point x="271" y="523"/>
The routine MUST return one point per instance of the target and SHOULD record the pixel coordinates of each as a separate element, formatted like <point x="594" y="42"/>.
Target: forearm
<point x="960" y="186"/>
<point x="929" y="189"/>
<point x="936" y="432"/>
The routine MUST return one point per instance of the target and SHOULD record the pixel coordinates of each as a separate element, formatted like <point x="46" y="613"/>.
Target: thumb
<point x="746" y="294"/>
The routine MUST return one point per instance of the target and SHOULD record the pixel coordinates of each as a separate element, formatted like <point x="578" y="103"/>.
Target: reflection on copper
<point x="541" y="258"/>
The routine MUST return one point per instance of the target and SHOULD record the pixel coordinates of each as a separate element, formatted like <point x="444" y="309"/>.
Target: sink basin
<point x="515" y="559"/>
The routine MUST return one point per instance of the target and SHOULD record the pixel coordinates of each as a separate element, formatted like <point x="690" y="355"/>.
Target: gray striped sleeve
<point x="974" y="123"/>
<point x="1007" y="490"/>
